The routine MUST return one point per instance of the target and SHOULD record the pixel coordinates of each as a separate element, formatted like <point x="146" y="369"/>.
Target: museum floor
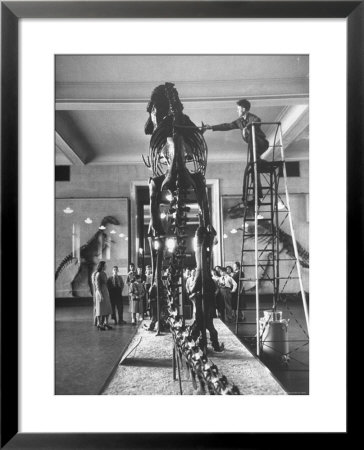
<point x="86" y="358"/>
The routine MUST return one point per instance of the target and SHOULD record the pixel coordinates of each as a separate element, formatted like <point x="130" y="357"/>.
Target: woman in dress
<point x="102" y="298"/>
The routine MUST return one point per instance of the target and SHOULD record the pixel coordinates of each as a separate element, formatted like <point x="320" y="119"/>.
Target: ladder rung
<point x="261" y="260"/>
<point x="253" y="219"/>
<point x="267" y="260"/>
<point x="254" y="309"/>
<point x="287" y="278"/>
<point x="246" y="323"/>
<point x="253" y="265"/>
<point x="260" y="250"/>
<point x="269" y="279"/>
<point x="262" y="234"/>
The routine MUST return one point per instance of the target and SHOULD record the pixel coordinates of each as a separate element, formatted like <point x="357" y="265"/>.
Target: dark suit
<point x="261" y="144"/>
<point x="241" y="294"/>
<point x="115" y="286"/>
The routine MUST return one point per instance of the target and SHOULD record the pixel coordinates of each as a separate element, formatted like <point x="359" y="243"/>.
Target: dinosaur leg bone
<point x="155" y="226"/>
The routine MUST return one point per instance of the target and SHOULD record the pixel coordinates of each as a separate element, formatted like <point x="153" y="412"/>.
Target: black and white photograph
<point x="184" y="183"/>
<point x="182" y="222"/>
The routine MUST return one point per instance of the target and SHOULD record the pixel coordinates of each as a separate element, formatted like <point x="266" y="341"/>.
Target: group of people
<point x="226" y="293"/>
<point x="108" y="294"/>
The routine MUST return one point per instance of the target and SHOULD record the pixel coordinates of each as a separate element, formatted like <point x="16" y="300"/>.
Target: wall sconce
<point x="88" y="220"/>
<point x="68" y="210"/>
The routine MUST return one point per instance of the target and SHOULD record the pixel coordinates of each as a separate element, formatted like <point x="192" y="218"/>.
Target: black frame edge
<point x="355" y="168"/>
<point x="183" y="9"/>
<point x="9" y="223"/>
<point x="10" y="13"/>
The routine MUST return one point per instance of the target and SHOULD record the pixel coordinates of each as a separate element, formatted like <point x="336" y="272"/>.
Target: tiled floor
<point x="85" y="357"/>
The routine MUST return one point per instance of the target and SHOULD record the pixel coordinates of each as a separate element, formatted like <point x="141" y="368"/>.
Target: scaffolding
<point x="271" y="211"/>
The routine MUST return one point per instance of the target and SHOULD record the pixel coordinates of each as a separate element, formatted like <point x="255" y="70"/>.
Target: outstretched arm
<point x="223" y="126"/>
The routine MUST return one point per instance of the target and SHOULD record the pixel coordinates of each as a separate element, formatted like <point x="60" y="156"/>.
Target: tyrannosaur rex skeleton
<point x="177" y="157"/>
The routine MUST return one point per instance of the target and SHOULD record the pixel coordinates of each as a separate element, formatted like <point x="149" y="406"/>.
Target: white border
<point x="324" y="409"/>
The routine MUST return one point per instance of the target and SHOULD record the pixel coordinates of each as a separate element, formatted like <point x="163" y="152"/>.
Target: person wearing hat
<point x="244" y="123"/>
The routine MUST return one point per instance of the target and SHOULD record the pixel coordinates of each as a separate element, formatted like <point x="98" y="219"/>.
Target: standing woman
<point x="102" y="298"/>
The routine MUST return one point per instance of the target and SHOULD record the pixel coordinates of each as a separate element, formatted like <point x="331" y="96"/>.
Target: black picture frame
<point x="11" y="13"/>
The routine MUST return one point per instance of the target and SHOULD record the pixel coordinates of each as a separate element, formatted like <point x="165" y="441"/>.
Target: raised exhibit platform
<point x="148" y="368"/>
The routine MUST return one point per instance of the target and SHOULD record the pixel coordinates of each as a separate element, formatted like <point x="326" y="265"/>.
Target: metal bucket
<point x="274" y="337"/>
<point x="273" y="315"/>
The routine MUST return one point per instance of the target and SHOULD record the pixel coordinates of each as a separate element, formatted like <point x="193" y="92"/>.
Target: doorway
<point x="140" y="217"/>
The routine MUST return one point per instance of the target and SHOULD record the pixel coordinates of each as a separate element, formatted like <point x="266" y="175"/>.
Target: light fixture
<point x="170" y="243"/>
<point x="68" y="210"/>
<point x="126" y="238"/>
<point x="101" y="227"/>
<point x="112" y="232"/>
<point x="280" y="205"/>
<point x="156" y="245"/>
<point x="141" y="251"/>
<point x="225" y="236"/>
<point x="121" y="235"/>
<point x="169" y="197"/>
<point x="88" y="220"/>
<point x="163" y="215"/>
<point x="194" y="243"/>
<point x="259" y="216"/>
<point x="233" y="231"/>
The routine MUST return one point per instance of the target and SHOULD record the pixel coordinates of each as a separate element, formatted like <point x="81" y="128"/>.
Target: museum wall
<point x="114" y="181"/>
<point x="92" y="181"/>
<point x="106" y="181"/>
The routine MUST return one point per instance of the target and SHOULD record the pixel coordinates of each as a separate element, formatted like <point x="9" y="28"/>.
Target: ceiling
<point x="101" y="102"/>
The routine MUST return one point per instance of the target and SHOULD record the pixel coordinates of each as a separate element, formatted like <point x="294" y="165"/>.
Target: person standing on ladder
<point x="244" y="123"/>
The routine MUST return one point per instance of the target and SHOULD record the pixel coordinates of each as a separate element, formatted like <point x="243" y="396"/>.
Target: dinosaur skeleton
<point x="92" y="249"/>
<point x="177" y="154"/>
<point x="237" y="211"/>
<point x="177" y="158"/>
